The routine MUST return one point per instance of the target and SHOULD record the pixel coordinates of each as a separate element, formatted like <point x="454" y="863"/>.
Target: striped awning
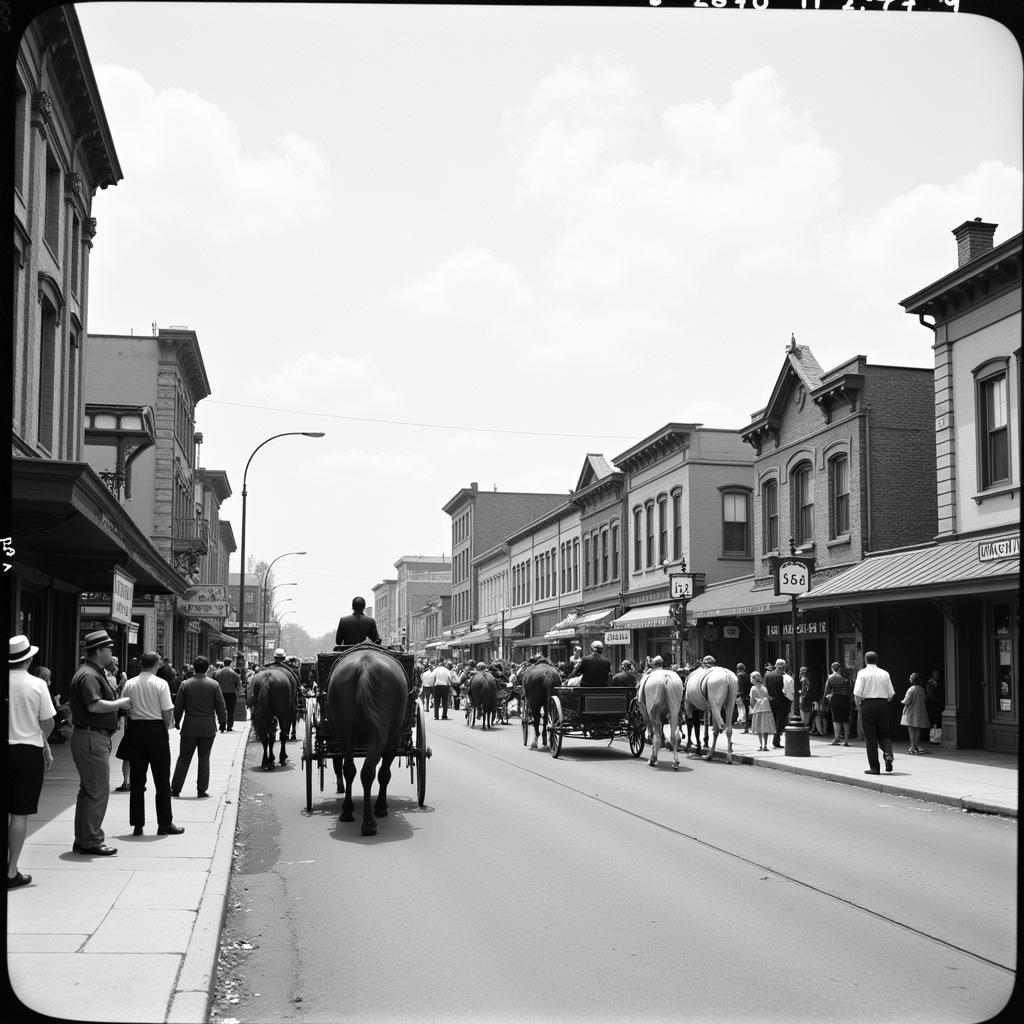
<point x="644" y="616"/>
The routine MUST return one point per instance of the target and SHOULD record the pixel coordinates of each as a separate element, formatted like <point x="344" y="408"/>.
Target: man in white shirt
<point x="872" y="692"/>
<point x="442" y="688"/>
<point x="148" y="746"/>
<point x="29" y="720"/>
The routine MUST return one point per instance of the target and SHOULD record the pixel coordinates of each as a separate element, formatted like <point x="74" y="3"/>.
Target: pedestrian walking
<point x="762" y="718"/>
<point x="229" y="683"/>
<point x="872" y="692"/>
<point x="743" y="678"/>
<point x="30" y="715"/>
<point x="933" y="702"/>
<point x="94" y="708"/>
<point x="147" y="746"/>
<point x="837" y="698"/>
<point x="915" y="714"/>
<point x="201" y="703"/>
<point x="442" y="689"/>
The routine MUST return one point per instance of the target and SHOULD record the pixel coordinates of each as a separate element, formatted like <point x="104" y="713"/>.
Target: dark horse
<point x="539" y="681"/>
<point x="367" y="699"/>
<point x="272" y="696"/>
<point x="483" y="698"/>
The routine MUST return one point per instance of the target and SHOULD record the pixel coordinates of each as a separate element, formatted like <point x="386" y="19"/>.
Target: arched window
<point x="770" y="515"/>
<point x="838" y="496"/>
<point x="802" y="496"/>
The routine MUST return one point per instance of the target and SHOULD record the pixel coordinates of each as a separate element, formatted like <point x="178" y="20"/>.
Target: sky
<point x="477" y="243"/>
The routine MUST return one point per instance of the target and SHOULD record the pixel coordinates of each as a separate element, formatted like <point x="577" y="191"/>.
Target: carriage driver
<point x="593" y="670"/>
<point x="357" y="627"/>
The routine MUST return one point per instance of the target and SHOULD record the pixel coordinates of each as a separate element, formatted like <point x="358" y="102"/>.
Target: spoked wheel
<point x="307" y="750"/>
<point x="422" y="753"/>
<point x="555" y="727"/>
<point x="637" y="732"/>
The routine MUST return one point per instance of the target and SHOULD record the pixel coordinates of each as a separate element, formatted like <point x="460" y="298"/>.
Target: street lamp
<point x="291" y="611"/>
<point x="263" y="605"/>
<point x="241" y="574"/>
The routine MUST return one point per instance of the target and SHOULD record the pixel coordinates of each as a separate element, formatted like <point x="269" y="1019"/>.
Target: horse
<point x="272" y="696"/>
<point x="714" y="688"/>
<point x="660" y="696"/>
<point x="367" y="699"/>
<point x="483" y="698"/>
<point x="538" y="681"/>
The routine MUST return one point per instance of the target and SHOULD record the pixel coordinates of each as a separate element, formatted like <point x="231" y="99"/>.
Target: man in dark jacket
<point x="357" y="627"/>
<point x="595" y="669"/>
<point x="201" y="702"/>
<point x="774" y="683"/>
<point x="625" y="676"/>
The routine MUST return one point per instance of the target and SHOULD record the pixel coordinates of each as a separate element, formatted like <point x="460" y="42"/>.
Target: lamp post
<point x="263" y="603"/>
<point x="291" y="611"/>
<point x="681" y="587"/>
<point x="792" y="575"/>
<point x="245" y="492"/>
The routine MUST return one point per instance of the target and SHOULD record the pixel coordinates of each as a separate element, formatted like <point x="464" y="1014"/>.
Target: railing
<point x="192" y="534"/>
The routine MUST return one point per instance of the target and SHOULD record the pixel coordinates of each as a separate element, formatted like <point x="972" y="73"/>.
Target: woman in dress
<point x="762" y="721"/>
<point x="837" y="696"/>
<point x="806" y="696"/>
<point x="915" y="714"/>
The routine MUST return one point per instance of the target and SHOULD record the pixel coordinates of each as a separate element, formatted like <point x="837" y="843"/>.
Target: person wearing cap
<point x="94" y="707"/>
<point x="594" y="669"/>
<point x="30" y="716"/>
<point x="357" y="627"/>
<point x="201" y="703"/>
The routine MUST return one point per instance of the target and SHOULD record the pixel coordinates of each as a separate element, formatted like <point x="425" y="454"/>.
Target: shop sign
<point x="995" y="550"/>
<point x="204" y="609"/>
<point x="133" y="634"/>
<point x="208" y="592"/>
<point x="121" y="597"/>
<point x="192" y="626"/>
<point x="680" y="585"/>
<point x="710" y="634"/>
<point x="617" y="636"/>
<point x="771" y="629"/>
<point x="792" y="576"/>
<point x="731" y="632"/>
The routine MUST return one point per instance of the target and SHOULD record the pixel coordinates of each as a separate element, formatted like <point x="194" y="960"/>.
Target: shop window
<point x="1002" y="643"/>
<point x="839" y="496"/>
<point x="802" y="493"/>
<point x="770" y="516"/>
<point x="735" y="523"/>
<point x="993" y="430"/>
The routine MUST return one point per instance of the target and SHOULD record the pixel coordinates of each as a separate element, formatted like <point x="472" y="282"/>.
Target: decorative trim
<point x="42" y="112"/>
<point x="50" y="290"/>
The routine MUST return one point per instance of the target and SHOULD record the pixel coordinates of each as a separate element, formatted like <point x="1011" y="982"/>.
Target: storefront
<point x="652" y="631"/>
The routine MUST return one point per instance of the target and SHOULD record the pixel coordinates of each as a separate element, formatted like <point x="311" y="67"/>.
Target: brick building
<point x="69" y="532"/>
<point x="384" y="612"/>
<point x="843" y="465"/>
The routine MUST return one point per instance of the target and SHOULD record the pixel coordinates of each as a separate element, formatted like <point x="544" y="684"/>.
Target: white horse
<point x="660" y="695"/>
<point x="713" y="688"/>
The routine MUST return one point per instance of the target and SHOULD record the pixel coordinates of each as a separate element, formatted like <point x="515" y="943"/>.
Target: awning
<point x="595" y="618"/>
<point x="446" y="644"/>
<point x="737" y="597"/>
<point x="67" y="524"/>
<point x="215" y="636"/>
<point x="472" y="638"/>
<point x="566" y="622"/>
<point x="946" y="569"/>
<point x="560" y="634"/>
<point x="511" y="625"/>
<point x="645" y="616"/>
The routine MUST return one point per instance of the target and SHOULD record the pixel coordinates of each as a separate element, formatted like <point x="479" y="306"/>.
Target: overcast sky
<point x="545" y="231"/>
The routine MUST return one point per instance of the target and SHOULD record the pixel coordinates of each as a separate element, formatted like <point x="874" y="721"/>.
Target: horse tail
<point x="372" y="700"/>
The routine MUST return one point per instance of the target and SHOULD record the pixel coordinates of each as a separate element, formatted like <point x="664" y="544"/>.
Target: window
<point x="993" y="434"/>
<point x="650" y="534"/>
<point x="662" y="528"/>
<point x="770" y="515"/>
<point x="20" y="122"/>
<point x="677" y="526"/>
<point x="735" y="523"/>
<point x="802" y="489"/>
<point x="561" y="568"/>
<point x="637" y="542"/>
<point x="604" y="556"/>
<point x="76" y="245"/>
<point x="615" y="551"/>
<point x="586" y="561"/>
<point x="594" y="552"/>
<point x="839" y="496"/>
<point x="51" y="223"/>
<point x="576" y="564"/>
<point x="45" y="398"/>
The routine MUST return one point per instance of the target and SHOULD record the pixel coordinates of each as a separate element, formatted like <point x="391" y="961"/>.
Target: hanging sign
<point x="792" y="575"/>
<point x="121" y="597"/>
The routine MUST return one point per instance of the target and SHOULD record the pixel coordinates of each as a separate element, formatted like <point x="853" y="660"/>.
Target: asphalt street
<point x="596" y="887"/>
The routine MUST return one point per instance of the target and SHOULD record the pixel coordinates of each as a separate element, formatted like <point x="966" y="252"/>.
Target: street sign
<point x="793" y="576"/>
<point x="680" y="585"/>
<point x="206" y="609"/>
<point x="617" y="636"/>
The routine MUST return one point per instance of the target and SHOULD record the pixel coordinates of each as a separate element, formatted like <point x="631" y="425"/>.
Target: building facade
<point x="418" y="579"/>
<point x="68" y="534"/>
<point x="384" y="612"/>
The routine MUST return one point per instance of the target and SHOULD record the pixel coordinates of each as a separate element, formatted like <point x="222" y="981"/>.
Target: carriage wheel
<point x="307" y="753"/>
<point x="555" y="726"/>
<point x="637" y="732"/>
<point x="422" y="753"/>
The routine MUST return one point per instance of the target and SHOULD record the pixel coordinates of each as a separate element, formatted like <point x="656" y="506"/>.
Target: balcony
<point x="191" y="535"/>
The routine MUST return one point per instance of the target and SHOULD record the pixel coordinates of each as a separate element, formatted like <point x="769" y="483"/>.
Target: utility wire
<point x="410" y="423"/>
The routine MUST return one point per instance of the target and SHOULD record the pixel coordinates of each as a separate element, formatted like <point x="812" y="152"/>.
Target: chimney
<point x="474" y="487"/>
<point x="973" y="239"/>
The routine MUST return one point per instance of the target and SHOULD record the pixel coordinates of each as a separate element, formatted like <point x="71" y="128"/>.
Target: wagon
<point x="319" y="744"/>
<point x="595" y="713"/>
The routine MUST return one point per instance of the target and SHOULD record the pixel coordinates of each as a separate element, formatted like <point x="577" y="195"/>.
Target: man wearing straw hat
<point x="94" y="707"/>
<point x="29" y="720"/>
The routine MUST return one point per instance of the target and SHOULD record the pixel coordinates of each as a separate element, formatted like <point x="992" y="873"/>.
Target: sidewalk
<point x="132" y="937"/>
<point x="135" y="937"/>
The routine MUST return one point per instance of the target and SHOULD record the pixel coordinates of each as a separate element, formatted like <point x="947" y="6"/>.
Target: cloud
<point x="470" y="285"/>
<point x="190" y="171"/>
<point x="349" y="385"/>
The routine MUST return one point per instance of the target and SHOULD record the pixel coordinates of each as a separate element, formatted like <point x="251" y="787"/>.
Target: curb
<point x="193" y="989"/>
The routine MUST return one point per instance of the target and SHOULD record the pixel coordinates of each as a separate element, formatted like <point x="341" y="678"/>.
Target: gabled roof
<point x="800" y="368"/>
<point x="595" y="467"/>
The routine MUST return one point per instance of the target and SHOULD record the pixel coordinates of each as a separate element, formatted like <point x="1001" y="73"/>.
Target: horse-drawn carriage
<point x="594" y="713"/>
<point x="321" y="741"/>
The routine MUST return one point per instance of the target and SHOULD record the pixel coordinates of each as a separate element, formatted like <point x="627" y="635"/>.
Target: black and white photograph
<point x="514" y="511"/>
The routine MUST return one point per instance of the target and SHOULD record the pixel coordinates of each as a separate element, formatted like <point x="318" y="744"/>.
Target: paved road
<point x="596" y="887"/>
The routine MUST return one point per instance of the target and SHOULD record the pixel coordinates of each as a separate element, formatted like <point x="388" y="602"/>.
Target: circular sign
<point x="710" y="634"/>
<point x="794" y="578"/>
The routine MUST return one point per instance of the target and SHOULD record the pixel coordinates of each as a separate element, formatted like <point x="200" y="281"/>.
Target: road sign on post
<point x="680" y="586"/>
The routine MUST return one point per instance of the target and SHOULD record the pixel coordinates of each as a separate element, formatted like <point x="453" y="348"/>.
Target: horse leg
<point x="655" y="741"/>
<point x="350" y="774"/>
<point x="369" y="826"/>
<point x="339" y="768"/>
<point x="728" y="738"/>
<point x="282" y="756"/>
<point x="380" y="808"/>
<point x="673" y="728"/>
